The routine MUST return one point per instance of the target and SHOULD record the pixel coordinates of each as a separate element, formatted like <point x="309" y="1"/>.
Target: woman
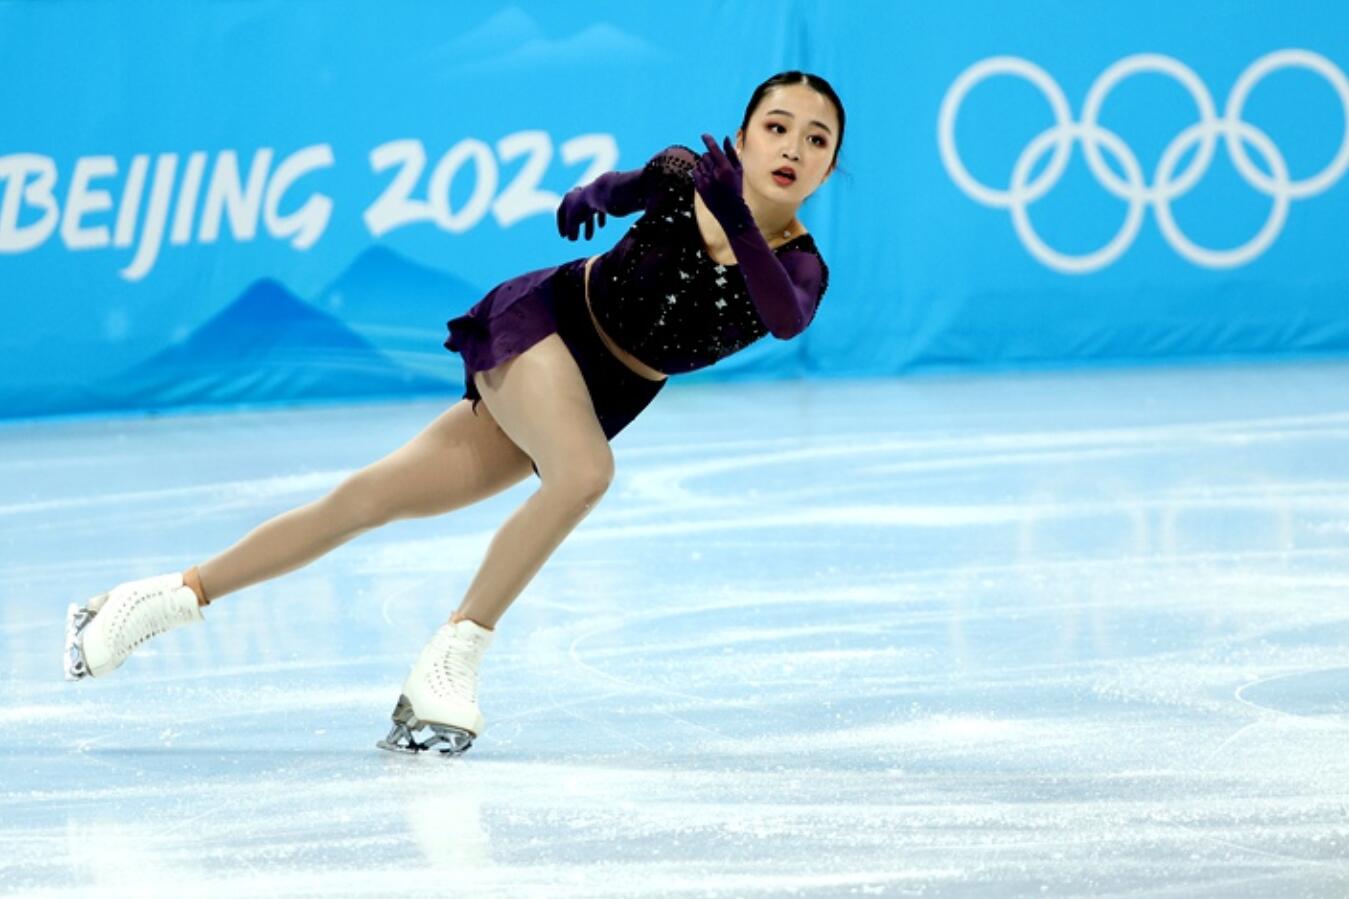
<point x="563" y="358"/>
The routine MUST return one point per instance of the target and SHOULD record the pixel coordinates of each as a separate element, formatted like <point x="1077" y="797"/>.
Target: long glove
<point x="719" y="178"/>
<point x="613" y="193"/>
<point x="785" y="297"/>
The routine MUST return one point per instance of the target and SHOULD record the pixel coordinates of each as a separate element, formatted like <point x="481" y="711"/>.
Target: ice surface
<point x="1057" y="634"/>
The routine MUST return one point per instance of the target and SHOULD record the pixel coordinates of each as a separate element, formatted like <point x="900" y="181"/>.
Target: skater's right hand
<point x="578" y="207"/>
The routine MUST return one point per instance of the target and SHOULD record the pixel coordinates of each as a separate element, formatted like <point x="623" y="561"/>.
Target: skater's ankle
<point x="459" y="616"/>
<point x="192" y="579"/>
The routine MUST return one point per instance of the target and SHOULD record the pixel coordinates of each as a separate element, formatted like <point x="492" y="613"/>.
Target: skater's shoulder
<point x="675" y="162"/>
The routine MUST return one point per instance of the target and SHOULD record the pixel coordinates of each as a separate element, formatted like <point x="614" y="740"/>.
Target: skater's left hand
<point x="719" y="178"/>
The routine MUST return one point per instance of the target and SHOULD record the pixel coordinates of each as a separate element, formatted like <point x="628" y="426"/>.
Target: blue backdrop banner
<point x="256" y="202"/>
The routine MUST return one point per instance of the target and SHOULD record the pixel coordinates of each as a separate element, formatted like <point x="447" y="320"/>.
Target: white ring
<point x="1164" y="189"/>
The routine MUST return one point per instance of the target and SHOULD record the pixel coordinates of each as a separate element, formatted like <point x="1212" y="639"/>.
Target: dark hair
<point x="816" y="83"/>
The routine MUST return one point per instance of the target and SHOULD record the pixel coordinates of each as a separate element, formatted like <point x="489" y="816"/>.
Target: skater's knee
<point x="582" y="481"/>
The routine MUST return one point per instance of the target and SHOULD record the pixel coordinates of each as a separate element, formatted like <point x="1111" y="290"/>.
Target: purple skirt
<point x="518" y="313"/>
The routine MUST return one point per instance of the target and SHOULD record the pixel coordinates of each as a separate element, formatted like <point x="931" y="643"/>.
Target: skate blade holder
<point x="400" y="739"/>
<point x="77" y="619"/>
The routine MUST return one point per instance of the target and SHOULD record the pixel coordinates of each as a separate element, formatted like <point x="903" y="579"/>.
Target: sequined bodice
<point x="658" y="293"/>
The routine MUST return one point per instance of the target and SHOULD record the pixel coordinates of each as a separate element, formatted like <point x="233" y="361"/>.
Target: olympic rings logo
<point x="1166" y="186"/>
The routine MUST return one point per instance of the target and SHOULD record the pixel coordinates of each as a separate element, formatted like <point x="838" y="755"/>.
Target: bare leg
<point x="459" y="459"/>
<point x="541" y="402"/>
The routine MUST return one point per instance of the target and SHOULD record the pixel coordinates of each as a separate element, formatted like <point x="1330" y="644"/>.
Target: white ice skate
<point x="442" y="692"/>
<point x="103" y="632"/>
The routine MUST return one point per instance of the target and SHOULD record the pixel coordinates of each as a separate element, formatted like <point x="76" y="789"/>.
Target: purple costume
<point x="656" y="293"/>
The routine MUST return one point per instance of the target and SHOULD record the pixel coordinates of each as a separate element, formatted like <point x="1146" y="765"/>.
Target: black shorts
<point x="518" y="313"/>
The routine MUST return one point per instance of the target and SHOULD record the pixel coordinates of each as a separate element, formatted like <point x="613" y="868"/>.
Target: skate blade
<point x="77" y="619"/>
<point x="411" y="749"/>
<point x="416" y="748"/>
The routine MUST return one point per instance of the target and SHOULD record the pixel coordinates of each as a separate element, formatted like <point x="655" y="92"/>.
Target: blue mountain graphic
<point x="512" y="41"/>
<point x="399" y="306"/>
<point x="269" y="345"/>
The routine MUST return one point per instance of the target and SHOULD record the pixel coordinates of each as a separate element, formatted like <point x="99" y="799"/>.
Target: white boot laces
<point x="459" y="661"/>
<point x="149" y="618"/>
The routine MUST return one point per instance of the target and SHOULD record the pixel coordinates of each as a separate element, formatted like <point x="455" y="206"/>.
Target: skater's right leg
<point x="459" y="459"/>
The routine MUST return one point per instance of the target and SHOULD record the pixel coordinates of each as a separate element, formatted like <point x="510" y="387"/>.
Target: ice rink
<point x="1059" y="634"/>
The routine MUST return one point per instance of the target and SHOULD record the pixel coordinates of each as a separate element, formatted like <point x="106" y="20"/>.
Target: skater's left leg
<point x="542" y="402"/>
<point x="459" y="459"/>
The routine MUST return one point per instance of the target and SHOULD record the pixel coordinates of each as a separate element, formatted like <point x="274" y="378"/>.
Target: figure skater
<point x="563" y="358"/>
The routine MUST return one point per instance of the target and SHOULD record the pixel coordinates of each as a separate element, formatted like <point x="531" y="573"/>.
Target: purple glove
<point x="578" y="207"/>
<point x="615" y="193"/>
<point x="785" y="291"/>
<point x="719" y="178"/>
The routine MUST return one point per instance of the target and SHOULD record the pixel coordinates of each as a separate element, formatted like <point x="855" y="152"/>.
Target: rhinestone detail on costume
<point x="662" y="297"/>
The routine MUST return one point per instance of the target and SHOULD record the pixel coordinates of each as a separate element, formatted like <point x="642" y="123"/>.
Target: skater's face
<point x="793" y="125"/>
